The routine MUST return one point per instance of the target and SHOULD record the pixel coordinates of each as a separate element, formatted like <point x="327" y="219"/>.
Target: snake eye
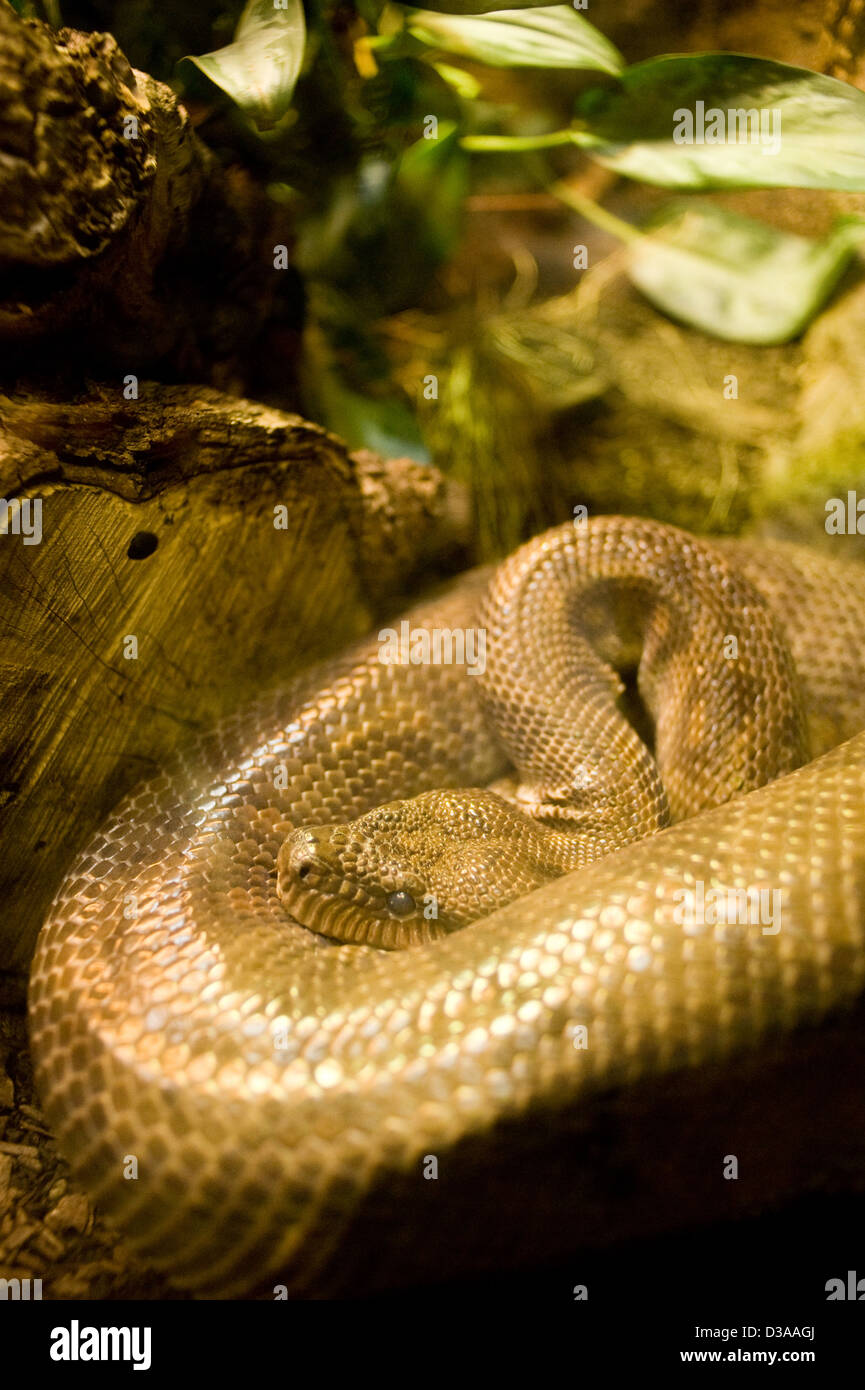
<point x="400" y="904"/>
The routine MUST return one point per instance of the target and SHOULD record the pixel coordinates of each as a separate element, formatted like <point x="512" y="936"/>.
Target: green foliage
<point x="668" y="122"/>
<point x="737" y="278"/>
<point x="813" y="134"/>
<point x="365" y="117"/>
<point x="259" y="69"/>
<point x="552" y="36"/>
<point x="389" y="226"/>
<point x="475" y="7"/>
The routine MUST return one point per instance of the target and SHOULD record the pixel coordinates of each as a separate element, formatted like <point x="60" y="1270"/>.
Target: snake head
<point x="411" y="871"/>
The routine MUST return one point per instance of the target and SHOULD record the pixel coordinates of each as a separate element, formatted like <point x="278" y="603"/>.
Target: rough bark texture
<point x="122" y="241"/>
<point x="194" y="550"/>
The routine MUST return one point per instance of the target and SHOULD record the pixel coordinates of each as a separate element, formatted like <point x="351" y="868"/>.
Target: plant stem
<point x="593" y="212"/>
<point x="516" y="142"/>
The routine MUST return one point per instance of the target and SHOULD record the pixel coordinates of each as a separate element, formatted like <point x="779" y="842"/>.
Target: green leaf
<point x="551" y="36"/>
<point x="475" y="7"/>
<point x="387" y="227"/>
<point x="809" y="131"/>
<point x="260" y="68"/>
<point x="386" y="426"/>
<point x="433" y="179"/>
<point x="736" y="278"/>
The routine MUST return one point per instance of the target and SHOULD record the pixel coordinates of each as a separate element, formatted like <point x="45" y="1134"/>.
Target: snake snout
<point x="301" y="855"/>
<point x="307" y="875"/>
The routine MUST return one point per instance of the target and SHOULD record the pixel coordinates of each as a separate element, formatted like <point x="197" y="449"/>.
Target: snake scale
<point x="282" y="1094"/>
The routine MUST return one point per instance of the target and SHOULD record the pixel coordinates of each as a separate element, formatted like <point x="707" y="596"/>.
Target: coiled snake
<point x="282" y="1095"/>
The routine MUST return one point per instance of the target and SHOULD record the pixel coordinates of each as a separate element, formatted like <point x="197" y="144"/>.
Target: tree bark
<point x="123" y="243"/>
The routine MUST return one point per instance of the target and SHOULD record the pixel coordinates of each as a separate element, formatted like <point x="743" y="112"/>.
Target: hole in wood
<point x="143" y="543"/>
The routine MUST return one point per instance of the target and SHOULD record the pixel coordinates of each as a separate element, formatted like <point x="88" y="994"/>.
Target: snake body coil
<point x="280" y="1092"/>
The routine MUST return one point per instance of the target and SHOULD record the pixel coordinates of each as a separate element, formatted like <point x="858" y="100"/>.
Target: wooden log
<point x="122" y="240"/>
<point x="163" y="560"/>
